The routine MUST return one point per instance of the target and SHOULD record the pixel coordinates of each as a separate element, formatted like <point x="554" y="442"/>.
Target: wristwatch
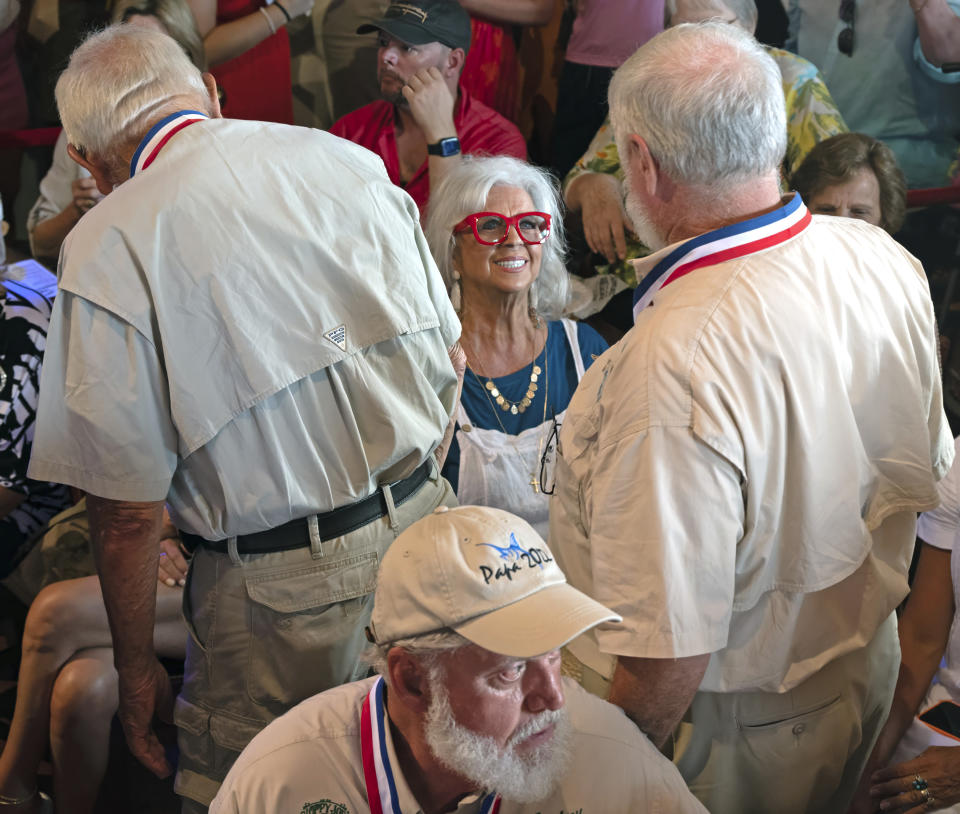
<point x="445" y="147"/>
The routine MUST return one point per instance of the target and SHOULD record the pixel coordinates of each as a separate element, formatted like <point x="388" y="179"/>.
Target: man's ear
<point x="95" y="167"/>
<point x="645" y="175"/>
<point x="211" y="85"/>
<point x="409" y="682"/>
<point x="455" y="60"/>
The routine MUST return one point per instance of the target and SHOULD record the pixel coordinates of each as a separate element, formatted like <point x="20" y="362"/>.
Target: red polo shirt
<point x="479" y="128"/>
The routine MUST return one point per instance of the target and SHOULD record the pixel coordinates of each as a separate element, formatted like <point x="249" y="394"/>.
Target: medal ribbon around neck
<point x="158" y="135"/>
<point x="720" y="245"/>
<point x="377" y="771"/>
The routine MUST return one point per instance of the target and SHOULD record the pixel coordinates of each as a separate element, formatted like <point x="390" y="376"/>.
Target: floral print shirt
<point x="812" y="116"/>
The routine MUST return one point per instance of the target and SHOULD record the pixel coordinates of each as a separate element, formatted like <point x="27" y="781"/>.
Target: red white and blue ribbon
<point x="720" y="245"/>
<point x="160" y="134"/>
<point x="377" y="771"/>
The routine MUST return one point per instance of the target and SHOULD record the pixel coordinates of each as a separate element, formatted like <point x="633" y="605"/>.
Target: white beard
<point x="522" y="778"/>
<point x="643" y="227"/>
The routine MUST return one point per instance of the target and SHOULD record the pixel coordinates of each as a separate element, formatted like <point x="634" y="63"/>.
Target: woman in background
<point x="495" y="229"/>
<point x="854" y="176"/>
<point x="246" y="45"/>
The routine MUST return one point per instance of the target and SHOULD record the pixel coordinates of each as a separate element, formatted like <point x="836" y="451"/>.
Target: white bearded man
<point x="469" y="713"/>
<point x="740" y="475"/>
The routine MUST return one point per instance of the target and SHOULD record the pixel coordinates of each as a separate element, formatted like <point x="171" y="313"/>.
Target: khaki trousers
<point x="797" y="752"/>
<point x="268" y="631"/>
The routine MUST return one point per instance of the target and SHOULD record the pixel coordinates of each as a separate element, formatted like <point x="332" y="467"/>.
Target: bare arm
<point x="599" y="198"/>
<point x="228" y="40"/>
<point x="126" y="543"/>
<point x="924" y="632"/>
<point x="431" y="105"/>
<point x="516" y="12"/>
<point x="939" y="30"/>
<point x="9" y="500"/>
<point x="656" y="692"/>
<point x="49" y="234"/>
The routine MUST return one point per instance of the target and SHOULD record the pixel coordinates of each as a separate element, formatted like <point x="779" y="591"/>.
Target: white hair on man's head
<point x="464" y="191"/>
<point x="744" y="10"/>
<point x="429" y="647"/>
<point x="707" y="100"/>
<point x="117" y="80"/>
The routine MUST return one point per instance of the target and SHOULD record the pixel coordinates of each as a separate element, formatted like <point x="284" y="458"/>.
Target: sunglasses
<point x="845" y="37"/>
<point x="491" y="228"/>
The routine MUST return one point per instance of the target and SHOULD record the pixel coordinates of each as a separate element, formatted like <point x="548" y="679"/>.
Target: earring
<point x="532" y="307"/>
<point x="456" y="297"/>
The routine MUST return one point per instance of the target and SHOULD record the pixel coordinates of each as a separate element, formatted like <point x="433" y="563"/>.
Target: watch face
<point x="445" y="147"/>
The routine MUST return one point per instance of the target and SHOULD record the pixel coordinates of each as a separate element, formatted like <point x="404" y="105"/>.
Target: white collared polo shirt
<point x="310" y="761"/>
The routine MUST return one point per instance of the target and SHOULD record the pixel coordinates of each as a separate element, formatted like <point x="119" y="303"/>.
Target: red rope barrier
<point x="37" y="137"/>
<point x="933" y="197"/>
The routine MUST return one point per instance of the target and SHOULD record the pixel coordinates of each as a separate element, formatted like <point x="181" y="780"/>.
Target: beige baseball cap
<point x="486" y="574"/>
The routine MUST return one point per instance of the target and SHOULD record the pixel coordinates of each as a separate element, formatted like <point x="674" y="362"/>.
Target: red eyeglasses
<point x="491" y="228"/>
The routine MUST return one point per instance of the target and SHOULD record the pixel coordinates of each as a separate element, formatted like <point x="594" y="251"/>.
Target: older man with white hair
<point x="235" y="336"/>
<point x="740" y="475"/>
<point x="469" y="713"/>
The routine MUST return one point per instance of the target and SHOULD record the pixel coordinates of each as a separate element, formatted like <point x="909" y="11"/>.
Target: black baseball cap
<point x="417" y="22"/>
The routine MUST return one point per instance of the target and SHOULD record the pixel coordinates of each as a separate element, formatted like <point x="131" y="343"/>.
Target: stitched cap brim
<point x="406" y="32"/>
<point x="537" y="624"/>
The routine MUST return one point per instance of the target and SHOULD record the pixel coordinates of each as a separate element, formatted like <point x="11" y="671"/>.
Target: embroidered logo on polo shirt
<point x="338" y="336"/>
<point x="324" y="807"/>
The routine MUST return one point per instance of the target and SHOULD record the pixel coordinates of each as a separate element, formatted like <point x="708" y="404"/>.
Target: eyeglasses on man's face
<point x="491" y="228"/>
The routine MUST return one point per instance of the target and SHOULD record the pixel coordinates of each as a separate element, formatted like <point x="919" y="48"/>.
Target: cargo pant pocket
<point x="209" y="743"/>
<point x="307" y="628"/>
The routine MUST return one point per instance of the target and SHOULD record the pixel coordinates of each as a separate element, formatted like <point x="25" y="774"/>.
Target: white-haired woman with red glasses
<point x="495" y="229"/>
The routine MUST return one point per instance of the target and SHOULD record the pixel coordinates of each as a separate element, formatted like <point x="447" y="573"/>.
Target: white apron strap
<point x="570" y="329"/>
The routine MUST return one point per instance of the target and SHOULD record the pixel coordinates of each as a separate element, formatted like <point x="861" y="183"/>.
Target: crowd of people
<point x="313" y="410"/>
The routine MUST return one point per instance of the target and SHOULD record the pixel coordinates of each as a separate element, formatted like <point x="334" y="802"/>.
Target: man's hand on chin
<point x="431" y="104"/>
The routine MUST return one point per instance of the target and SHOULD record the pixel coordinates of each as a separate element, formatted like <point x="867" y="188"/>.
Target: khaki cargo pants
<point x="798" y="752"/>
<point x="268" y="631"/>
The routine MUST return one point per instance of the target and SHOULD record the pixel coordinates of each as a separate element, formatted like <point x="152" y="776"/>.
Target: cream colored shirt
<point x="252" y="327"/>
<point x="740" y="474"/>
<point x="311" y="756"/>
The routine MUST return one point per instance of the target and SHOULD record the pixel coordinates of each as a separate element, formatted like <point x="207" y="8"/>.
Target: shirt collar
<point x="158" y="135"/>
<point x="726" y="243"/>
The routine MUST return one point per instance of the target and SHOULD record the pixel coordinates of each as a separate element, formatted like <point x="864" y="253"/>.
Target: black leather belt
<point x="296" y="533"/>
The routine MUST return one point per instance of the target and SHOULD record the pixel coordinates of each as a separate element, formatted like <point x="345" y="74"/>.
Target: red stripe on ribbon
<point x="159" y="145"/>
<point x="369" y="764"/>
<point x="739" y="251"/>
